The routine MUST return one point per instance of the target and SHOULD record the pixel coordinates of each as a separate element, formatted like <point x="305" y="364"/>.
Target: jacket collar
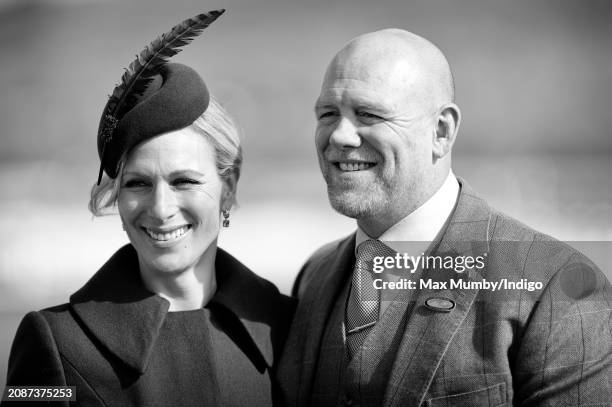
<point x="126" y="318"/>
<point x="469" y="227"/>
<point x="428" y="333"/>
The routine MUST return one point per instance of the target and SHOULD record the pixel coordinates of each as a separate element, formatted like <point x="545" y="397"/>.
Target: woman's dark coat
<point x="103" y="340"/>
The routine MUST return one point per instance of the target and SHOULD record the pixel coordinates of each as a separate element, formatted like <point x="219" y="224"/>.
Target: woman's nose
<point x="345" y="134"/>
<point x="163" y="202"/>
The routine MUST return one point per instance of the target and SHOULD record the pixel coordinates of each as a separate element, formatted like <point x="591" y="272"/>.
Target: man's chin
<point x="350" y="204"/>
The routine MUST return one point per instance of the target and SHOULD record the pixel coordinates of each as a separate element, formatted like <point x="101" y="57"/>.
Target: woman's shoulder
<point x="42" y="336"/>
<point x="106" y="300"/>
<point x="35" y="346"/>
<point x="44" y="326"/>
<point x="40" y="323"/>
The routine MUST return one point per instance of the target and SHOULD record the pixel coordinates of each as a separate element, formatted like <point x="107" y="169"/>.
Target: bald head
<point x="386" y="124"/>
<point x="397" y="58"/>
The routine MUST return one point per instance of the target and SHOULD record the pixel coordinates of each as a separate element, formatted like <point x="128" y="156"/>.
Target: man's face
<point x="374" y="139"/>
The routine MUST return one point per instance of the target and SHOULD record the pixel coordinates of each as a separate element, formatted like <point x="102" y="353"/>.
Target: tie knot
<point x="369" y="249"/>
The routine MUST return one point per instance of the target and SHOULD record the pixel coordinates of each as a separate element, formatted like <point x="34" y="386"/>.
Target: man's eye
<point x="326" y="116"/>
<point x="369" y="116"/>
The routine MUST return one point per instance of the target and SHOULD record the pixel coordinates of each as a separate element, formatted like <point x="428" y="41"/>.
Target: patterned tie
<point x="363" y="303"/>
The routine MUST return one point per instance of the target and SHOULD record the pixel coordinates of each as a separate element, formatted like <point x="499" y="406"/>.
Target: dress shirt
<point x="414" y="233"/>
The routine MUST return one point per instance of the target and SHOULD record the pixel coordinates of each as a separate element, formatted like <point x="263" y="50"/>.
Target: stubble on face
<point x="402" y="79"/>
<point x="358" y="198"/>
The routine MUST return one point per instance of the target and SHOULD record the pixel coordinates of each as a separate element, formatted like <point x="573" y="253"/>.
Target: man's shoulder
<point x="505" y="228"/>
<point x="501" y="226"/>
<point x="328" y="251"/>
<point x="514" y="248"/>
<point x="318" y="260"/>
<point x="523" y="252"/>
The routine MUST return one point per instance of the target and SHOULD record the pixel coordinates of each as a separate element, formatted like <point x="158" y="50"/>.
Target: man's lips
<point x="166" y="234"/>
<point x="353" y="165"/>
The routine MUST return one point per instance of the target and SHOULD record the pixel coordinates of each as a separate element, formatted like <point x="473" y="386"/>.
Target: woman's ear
<point x="228" y="193"/>
<point x="446" y="128"/>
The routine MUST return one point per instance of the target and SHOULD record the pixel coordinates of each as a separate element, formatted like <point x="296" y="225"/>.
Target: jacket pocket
<point x="492" y="396"/>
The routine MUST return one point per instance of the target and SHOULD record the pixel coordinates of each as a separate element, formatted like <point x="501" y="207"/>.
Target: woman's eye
<point x="135" y="183"/>
<point x="186" y="182"/>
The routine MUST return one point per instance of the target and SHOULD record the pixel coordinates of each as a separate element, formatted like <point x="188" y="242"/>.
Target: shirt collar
<point x="425" y="222"/>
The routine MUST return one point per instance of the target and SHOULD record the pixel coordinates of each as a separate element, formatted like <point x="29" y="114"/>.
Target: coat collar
<point x="126" y="318"/>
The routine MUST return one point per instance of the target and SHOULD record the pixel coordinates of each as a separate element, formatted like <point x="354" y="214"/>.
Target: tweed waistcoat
<point x="363" y="379"/>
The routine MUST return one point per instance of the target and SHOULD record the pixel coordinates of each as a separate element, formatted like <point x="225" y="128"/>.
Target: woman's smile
<point x="170" y="201"/>
<point x="168" y="234"/>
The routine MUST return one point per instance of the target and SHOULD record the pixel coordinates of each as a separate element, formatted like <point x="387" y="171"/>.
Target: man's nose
<point x="163" y="203"/>
<point x="345" y="134"/>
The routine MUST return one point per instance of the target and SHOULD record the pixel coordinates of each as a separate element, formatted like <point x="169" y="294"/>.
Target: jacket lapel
<point x="429" y="331"/>
<point x="304" y="343"/>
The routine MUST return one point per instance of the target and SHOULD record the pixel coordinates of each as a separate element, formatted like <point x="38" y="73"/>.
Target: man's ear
<point x="446" y="128"/>
<point x="228" y="194"/>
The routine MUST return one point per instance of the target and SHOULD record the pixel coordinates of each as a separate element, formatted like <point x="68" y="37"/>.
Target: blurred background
<point x="534" y="83"/>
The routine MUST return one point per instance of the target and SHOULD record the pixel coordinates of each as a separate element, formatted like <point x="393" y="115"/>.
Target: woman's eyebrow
<point x="187" y="172"/>
<point x="175" y="173"/>
<point x="133" y="173"/>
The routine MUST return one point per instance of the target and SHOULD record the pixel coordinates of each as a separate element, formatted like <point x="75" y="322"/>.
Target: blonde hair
<point x="215" y="124"/>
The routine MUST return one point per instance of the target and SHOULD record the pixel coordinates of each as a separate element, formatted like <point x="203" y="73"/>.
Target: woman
<point x="170" y="319"/>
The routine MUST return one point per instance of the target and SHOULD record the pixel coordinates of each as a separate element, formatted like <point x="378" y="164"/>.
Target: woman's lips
<point x="166" y="235"/>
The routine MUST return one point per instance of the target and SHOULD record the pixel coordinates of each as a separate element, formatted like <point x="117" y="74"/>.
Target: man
<point x="386" y="127"/>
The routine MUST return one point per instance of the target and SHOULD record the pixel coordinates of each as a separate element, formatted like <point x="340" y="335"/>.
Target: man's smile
<point x="353" y="166"/>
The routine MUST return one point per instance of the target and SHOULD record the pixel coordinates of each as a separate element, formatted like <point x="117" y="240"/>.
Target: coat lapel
<point x="116" y="308"/>
<point x="428" y="331"/>
<point x="237" y="286"/>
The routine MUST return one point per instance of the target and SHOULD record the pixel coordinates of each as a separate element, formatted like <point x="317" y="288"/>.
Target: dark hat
<point x="174" y="99"/>
<point x="154" y="97"/>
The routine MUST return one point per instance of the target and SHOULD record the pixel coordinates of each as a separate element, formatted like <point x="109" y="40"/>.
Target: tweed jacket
<point x="104" y="340"/>
<point x="546" y="347"/>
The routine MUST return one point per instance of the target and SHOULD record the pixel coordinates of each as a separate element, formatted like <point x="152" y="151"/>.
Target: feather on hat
<point x="153" y="96"/>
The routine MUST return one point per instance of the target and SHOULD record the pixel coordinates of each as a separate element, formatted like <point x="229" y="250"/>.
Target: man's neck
<point x="421" y="224"/>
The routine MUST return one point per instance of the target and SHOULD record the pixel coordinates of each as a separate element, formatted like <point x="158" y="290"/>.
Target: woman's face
<point x="170" y="200"/>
